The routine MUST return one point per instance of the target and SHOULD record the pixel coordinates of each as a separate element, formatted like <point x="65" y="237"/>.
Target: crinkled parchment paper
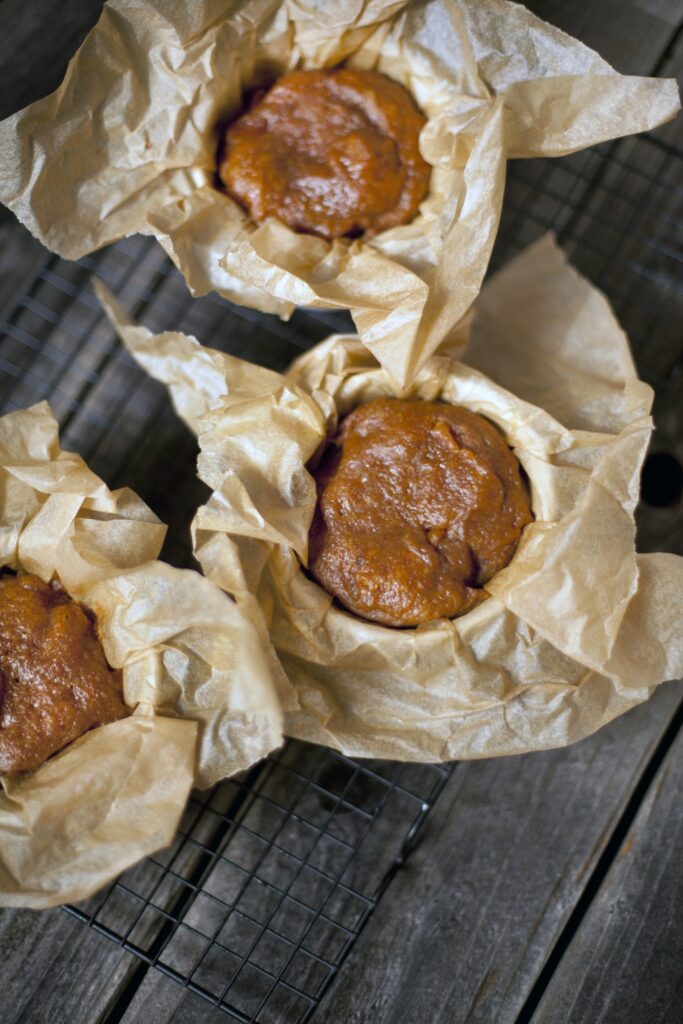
<point x="204" y="702"/>
<point x="578" y="627"/>
<point x="128" y="143"/>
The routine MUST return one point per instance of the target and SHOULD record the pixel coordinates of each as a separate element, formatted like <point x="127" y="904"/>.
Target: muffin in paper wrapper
<point x="128" y="144"/>
<point x="577" y="629"/>
<point x="203" y="698"/>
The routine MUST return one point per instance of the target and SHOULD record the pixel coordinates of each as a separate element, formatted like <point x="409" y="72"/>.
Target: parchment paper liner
<point x="205" y="703"/>
<point x="127" y="144"/>
<point x="578" y="628"/>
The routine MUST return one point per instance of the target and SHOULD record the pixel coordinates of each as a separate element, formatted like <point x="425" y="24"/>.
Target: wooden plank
<point x="36" y="44"/>
<point x="638" y="37"/>
<point x="68" y="972"/>
<point x="162" y="1001"/>
<point x="276" y="909"/>
<point x="33" y="58"/>
<point x="631" y="36"/>
<point x="465" y="929"/>
<point x="54" y="969"/>
<point x="21" y="258"/>
<point x="74" y="971"/>
<point x="671" y="65"/>
<point x="625" y="962"/>
<point x="79" y="966"/>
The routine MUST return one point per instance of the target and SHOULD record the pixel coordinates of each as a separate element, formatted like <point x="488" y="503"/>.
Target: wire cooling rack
<point x="273" y="874"/>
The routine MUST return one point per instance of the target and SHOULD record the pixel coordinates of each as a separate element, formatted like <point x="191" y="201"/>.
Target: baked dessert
<point x="55" y="682"/>
<point x="419" y="504"/>
<point x="334" y="153"/>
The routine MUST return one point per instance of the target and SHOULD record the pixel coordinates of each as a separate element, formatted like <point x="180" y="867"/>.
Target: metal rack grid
<point x="273" y="875"/>
<point x="270" y="879"/>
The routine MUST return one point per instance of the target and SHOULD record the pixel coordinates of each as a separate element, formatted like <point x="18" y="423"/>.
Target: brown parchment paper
<point x="128" y="143"/>
<point x="205" y="704"/>
<point x="578" y="628"/>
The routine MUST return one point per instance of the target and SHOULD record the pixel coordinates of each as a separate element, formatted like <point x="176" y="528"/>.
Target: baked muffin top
<point x="419" y="505"/>
<point x="333" y="153"/>
<point x="55" y="682"/>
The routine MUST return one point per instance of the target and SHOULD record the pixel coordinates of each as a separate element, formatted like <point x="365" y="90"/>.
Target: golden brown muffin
<point x="419" y="505"/>
<point x="332" y="153"/>
<point x="55" y="681"/>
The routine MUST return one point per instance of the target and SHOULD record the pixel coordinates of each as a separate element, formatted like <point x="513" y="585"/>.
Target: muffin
<point x="578" y="627"/>
<point x="129" y="142"/>
<point x="333" y="153"/>
<point x="419" y="505"/>
<point x="55" y="683"/>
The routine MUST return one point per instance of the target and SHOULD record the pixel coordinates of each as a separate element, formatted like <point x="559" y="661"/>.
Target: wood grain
<point x="633" y="36"/>
<point x="671" y="65"/>
<point x="626" y="961"/>
<point x="466" y="927"/>
<point x="37" y="42"/>
<point x="52" y="969"/>
<point x="287" y="912"/>
<point x="21" y="259"/>
<point x="70" y="972"/>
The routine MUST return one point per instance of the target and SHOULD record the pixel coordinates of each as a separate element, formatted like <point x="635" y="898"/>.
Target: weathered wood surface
<point x="626" y="961"/>
<point x="511" y="844"/>
<point x="291" y="893"/>
<point x="627" y="36"/>
<point x="37" y="41"/>
<point x="52" y="969"/>
<point x="467" y="926"/>
<point x="21" y="258"/>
